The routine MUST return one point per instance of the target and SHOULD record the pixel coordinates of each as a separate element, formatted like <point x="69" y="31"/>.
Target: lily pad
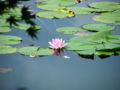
<point x="107" y="19"/>
<point x="51" y="14"/>
<point x="9" y="40"/>
<point x="103" y="52"/>
<point x="48" y="6"/>
<point x="3" y="22"/>
<point x="22" y="26"/>
<point x="100" y="43"/>
<point x="69" y="30"/>
<point x="60" y="2"/>
<point x="98" y="27"/>
<point x="81" y="10"/>
<point x="110" y="17"/>
<point x="7" y="49"/>
<point x="35" y="51"/>
<point x="105" y="5"/>
<point x="86" y="52"/>
<point x="4" y="29"/>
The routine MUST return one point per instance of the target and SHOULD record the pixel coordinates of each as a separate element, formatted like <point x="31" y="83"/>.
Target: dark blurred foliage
<point x="26" y="14"/>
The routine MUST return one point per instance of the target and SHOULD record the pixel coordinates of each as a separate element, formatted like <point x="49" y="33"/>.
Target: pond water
<point x="58" y="72"/>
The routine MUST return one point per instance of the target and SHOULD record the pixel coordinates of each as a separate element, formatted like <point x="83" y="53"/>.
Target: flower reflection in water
<point x="58" y="52"/>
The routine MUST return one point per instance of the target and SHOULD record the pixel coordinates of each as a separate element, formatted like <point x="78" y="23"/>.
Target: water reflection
<point x="58" y="52"/>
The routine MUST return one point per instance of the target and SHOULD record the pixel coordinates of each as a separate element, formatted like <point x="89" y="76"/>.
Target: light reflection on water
<point x="56" y="72"/>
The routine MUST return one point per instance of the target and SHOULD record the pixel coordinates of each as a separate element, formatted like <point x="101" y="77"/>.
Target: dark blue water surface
<point x="57" y="72"/>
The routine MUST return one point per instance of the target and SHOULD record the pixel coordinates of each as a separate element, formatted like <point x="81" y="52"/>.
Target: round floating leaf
<point x="111" y="45"/>
<point x="4" y="29"/>
<point x="48" y="6"/>
<point x="97" y="27"/>
<point x="79" y="46"/>
<point x="110" y="17"/>
<point x="99" y="37"/>
<point x="36" y="27"/>
<point x="22" y="26"/>
<point x="100" y="43"/>
<point x="35" y="51"/>
<point x="103" y="52"/>
<point x="60" y="2"/>
<point x="3" y="22"/>
<point x="43" y="52"/>
<point x="105" y="5"/>
<point x="114" y="39"/>
<point x="118" y="52"/>
<point x="86" y="52"/>
<point x="16" y="12"/>
<point x="9" y="40"/>
<point x="29" y="50"/>
<point x="81" y="10"/>
<point x="51" y="14"/>
<point x="69" y="30"/>
<point x="107" y="19"/>
<point x="7" y="49"/>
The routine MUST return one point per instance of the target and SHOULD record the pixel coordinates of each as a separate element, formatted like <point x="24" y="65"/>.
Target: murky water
<point x="57" y="72"/>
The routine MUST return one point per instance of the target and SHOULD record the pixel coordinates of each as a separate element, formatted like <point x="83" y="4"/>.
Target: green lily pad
<point x="35" y="51"/>
<point x="36" y="27"/>
<point x="79" y="47"/>
<point x="48" y="6"/>
<point x="107" y="19"/>
<point x="69" y="30"/>
<point x="4" y="29"/>
<point x="9" y="40"/>
<point x="103" y="52"/>
<point x="60" y="2"/>
<point x="7" y="49"/>
<point x="86" y="52"/>
<point x="105" y="5"/>
<point x="98" y="27"/>
<point x="81" y="10"/>
<point x="22" y="26"/>
<point x="100" y="43"/>
<point x="110" y="17"/>
<point x="3" y="22"/>
<point x="114" y="39"/>
<point x="51" y="14"/>
<point x="99" y="37"/>
<point x="111" y="45"/>
<point x="118" y="52"/>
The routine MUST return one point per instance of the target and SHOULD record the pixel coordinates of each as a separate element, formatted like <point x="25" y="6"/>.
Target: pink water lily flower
<point x="57" y="43"/>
